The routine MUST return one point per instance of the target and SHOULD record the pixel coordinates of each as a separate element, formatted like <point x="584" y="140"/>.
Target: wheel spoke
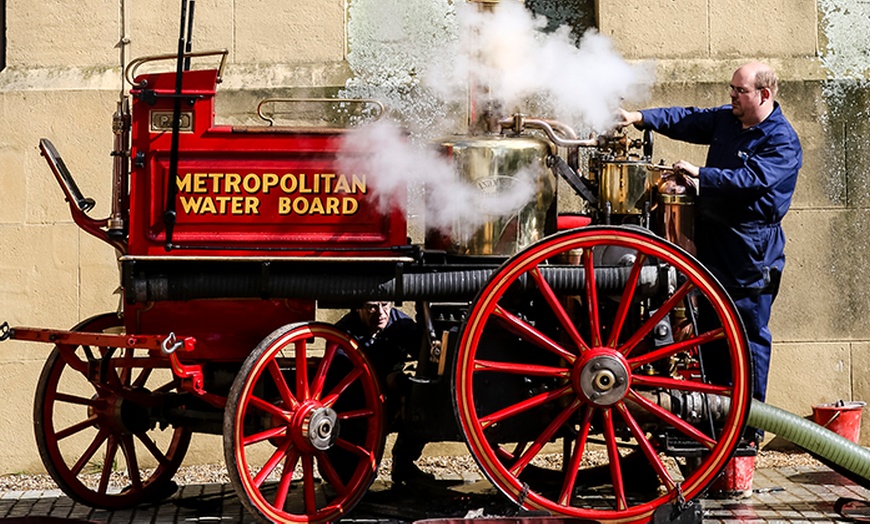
<point x="592" y="297"/>
<point x="142" y="379"/>
<point x="72" y="399"/>
<point x="521" y="369"/>
<point x="152" y="448"/>
<point x="336" y="392"/>
<point x="656" y="317"/>
<point x="308" y="484"/>
<point x="331" y="475"/>
<point x="626" y="300"/>
<point x="272" y="463"/>
<point x="108" y="463"/>
<point x="357" y="413"/>
<point x="75" y="428"/>
<point x="527" y="332"/>
<point x="268" y="407"/>
<point x="283" y="389"/>
<point x="645" y="446"/>
<point x="684" y="385"/>
<point x="672" y="349"/>
<point x="95" y="444"/>
<point x="613" y="457"/>
<point x="278" y="431"/>
<point x="673" y="420"/>
<point x="524" y="405"/>
<point x="129" y="450"/>
<point x="558" y="309"/>
<point x="322" y="369"/>
<point x="286" y="479"/>
<point x="301" y="369"/>
<point x="576" y="457"/>
<point x="543" y="438"/>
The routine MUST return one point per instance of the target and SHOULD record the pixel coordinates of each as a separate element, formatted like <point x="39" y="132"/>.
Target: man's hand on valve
<point x="689" y="173"/>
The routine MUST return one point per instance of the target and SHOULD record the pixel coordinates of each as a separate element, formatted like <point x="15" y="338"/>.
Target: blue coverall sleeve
<point x="776" y="158"/>
<point x="688" y="124"/>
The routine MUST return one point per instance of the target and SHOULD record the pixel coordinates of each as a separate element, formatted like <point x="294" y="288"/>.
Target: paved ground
<point x="803" y="494"/>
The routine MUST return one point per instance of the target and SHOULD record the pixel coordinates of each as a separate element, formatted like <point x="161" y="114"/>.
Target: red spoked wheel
<point x="93" y="424"/>
<point x="304" y="425"/>
<point x="586" y="337"/>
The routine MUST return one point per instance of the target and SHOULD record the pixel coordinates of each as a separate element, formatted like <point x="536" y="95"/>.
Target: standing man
<point x="389" y="338"/>
<point x="744" y="191"/>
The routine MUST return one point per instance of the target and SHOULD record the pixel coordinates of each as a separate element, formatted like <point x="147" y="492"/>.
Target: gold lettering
<point x="349" y="206"/>
<point x="285" y="205"/>
<point x="341" y="186"/>
<point x="300" y="206"/>
<point x="232" y="183"/>
<point x="251" y="183"/>
<point x="288" y="183"/>
<point x="327" y="181"/>
<point x="252" y="205"/>
<point x="302" y="187"/>
<point x="332" y="206"/>
<point x="207" y="206"/>
<point x="199" y="183"/>
<point x="270" y="180"/>
<point x="222" y="203"/>
<point x="190" y="204"/>
<point x="183" y="183"/>
<point x="316" y="206"/>
<point x="359" y="184"/>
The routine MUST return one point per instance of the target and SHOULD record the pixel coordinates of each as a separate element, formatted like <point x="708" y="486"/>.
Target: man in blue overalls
<point x="744" y="191"/>
<point x="389" y="338"/>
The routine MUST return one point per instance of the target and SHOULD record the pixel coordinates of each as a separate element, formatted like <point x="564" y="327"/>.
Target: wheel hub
<point x="320" y="428"/>
<point x="602" y="377"/>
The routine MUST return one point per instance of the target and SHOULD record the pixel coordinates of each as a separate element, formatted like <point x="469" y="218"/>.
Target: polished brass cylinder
<point x="492" y="164"/>
<point x="626" y="186"/>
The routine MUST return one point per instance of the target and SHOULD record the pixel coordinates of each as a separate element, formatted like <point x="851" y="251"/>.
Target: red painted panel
<point x="246" y="191"/>
<point x="225" y="330"/>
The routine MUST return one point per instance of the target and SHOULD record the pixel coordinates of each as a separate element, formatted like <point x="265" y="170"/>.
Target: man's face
<point x="375" y="315"/>
<point x="745" y="98"/>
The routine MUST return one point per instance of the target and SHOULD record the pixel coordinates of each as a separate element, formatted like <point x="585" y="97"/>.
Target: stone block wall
<point x="62" y="82"/>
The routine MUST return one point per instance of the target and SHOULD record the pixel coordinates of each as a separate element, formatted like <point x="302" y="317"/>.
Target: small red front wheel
<point x="94" y="430"/>
<point x="304" y="425"/>
<point x="584" y="337"/>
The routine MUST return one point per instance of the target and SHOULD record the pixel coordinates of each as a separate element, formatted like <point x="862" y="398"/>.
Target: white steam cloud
<point x="450" y="201"/>
<point x="510" y="59"/>
<point x="424" y="76"/>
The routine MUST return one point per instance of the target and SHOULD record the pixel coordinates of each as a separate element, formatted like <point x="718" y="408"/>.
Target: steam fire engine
<point x="548" y="335"/>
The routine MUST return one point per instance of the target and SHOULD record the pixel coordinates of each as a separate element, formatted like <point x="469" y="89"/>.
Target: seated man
<point x="389" y="338"/>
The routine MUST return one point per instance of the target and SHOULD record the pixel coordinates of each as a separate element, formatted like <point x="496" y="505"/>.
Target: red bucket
<point x="735" y="480"/>
<point x="843" y="418"/>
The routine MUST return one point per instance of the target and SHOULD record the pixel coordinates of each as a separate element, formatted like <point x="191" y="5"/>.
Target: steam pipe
<point x="518" y="122"/>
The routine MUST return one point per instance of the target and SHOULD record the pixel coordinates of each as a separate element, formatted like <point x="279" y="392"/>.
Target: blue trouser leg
<point x="755" y="312"/>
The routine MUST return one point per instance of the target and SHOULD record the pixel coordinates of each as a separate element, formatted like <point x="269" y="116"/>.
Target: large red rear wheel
<point x="304" y="425"/>
<point x="92" y="416"/>
<point x="585" y="337"/>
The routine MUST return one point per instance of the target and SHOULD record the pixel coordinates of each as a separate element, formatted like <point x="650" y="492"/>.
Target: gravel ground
<point x="440" y="466"/>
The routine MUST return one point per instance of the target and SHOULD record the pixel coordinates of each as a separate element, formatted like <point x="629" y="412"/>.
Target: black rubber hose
<point x="432" y="286"/>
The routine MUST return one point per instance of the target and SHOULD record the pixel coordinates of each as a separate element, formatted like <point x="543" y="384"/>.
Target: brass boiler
<point x="491" y="163"/>
<point x="626" y="187"/>
<point x="677" y="212"/>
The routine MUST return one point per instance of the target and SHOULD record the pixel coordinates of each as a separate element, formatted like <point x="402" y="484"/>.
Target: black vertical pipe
<point x="189" y="46"/>
<point x="169" y="216"/>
